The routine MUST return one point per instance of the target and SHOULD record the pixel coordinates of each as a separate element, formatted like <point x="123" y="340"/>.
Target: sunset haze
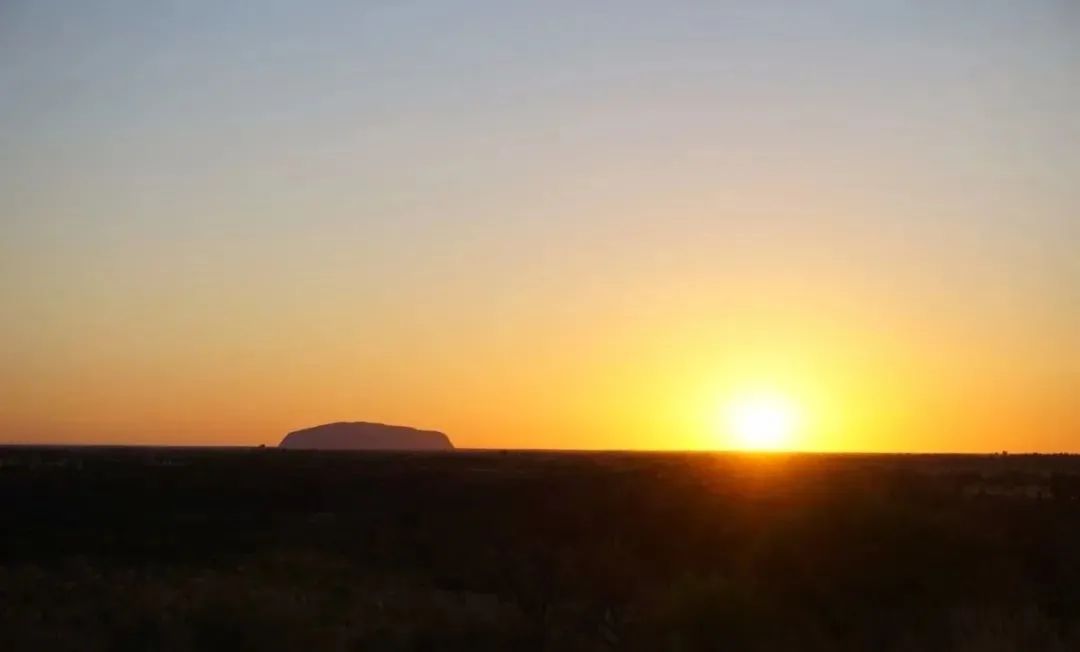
<point x="585" y="225"/>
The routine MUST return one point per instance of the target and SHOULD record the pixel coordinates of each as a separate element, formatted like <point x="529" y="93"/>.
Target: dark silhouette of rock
<point x="367" y="436"/>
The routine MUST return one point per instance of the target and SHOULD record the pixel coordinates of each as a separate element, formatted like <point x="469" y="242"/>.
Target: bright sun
<point x="762" y="422"/>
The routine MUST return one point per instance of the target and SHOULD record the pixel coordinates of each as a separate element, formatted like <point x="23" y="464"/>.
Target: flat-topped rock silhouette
<point x="366" y="436"/>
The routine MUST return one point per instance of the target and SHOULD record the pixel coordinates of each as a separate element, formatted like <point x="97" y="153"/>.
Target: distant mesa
<point x="363" y="436"/>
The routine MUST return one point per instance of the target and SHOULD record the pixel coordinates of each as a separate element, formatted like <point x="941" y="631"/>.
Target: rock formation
<point x="366" y="436"/>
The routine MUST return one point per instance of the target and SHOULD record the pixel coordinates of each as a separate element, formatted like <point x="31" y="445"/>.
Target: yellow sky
<point x="546" y="226"/>
<point x="648" y="365"/>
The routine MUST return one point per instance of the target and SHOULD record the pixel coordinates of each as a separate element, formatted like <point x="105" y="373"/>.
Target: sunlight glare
<point x="762" y="422"/>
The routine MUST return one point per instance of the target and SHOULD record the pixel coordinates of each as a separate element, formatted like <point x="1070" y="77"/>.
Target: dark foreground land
<point x="172" y="549"/>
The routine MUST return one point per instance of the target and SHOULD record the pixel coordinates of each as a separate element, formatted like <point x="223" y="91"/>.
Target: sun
<point x="762" y="422"/>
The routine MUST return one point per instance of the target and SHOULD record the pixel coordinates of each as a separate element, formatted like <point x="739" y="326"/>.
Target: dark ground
<point x="246" y="549"/>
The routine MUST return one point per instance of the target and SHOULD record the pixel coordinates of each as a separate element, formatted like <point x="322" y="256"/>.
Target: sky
<point x="560" y="224"/>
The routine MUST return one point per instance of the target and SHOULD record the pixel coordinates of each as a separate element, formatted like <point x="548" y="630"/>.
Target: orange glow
<point x="594" y="238"/>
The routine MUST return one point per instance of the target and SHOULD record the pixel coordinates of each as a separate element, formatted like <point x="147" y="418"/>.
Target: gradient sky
<point x="541" y="224"/>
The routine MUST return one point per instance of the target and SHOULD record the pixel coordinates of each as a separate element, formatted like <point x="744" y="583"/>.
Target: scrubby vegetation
<point x="158" y="549"/>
